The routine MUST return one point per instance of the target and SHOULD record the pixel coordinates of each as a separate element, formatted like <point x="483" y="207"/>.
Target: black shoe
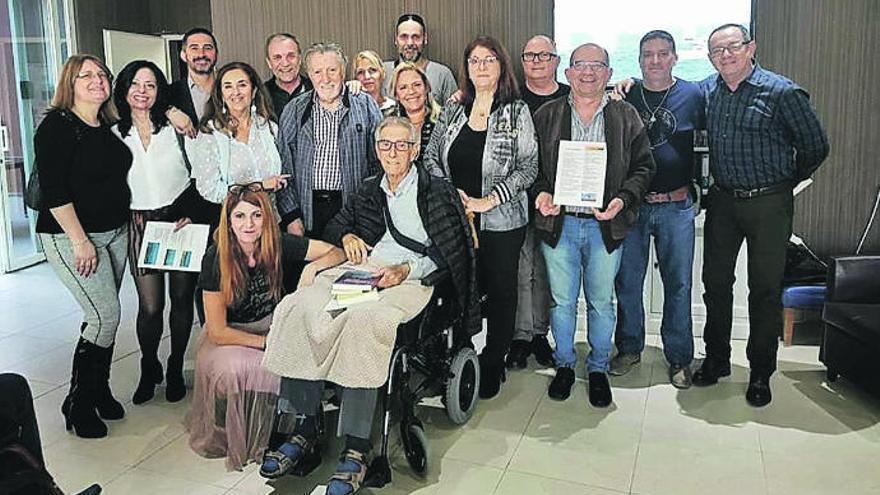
<point x="151" y="375"/>
<point x="758" y="393"/>
<point x="517" y="357"/>
<point x="542" y="351"/>
<point x="560" y="387"/>
<point x="79" y="406"/>
<point x="107" y="405"/>
<point x="175" y="387"/>
<point x="491" y="377"/>
<point x="600" y="389"/>
<point x="710" y="371"/>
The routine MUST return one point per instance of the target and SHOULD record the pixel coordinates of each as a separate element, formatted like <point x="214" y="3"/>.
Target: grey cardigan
<point x="510" y="159"/>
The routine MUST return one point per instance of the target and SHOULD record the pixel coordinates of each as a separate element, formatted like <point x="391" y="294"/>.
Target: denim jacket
<point x="510" y="159"/>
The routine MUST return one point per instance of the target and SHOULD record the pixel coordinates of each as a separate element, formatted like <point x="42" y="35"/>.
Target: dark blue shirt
<point x="764" y="133"/>
<point x="670" y="120"/>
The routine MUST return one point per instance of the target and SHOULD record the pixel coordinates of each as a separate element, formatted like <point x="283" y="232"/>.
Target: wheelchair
<point x="433" y="356"/>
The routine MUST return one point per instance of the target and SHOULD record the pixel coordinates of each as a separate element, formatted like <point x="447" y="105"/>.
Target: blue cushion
<point x="805" y="297"/>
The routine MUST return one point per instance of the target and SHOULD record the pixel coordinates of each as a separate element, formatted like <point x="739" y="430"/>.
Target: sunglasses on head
<point x="239" y="189"/>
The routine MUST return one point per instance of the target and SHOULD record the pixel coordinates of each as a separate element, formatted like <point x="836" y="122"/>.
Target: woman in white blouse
<point x="161" y="190"/>
<point x="236" y="143"/>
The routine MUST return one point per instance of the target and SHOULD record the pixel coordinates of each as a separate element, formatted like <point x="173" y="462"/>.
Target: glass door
<point x="34" y="42"/>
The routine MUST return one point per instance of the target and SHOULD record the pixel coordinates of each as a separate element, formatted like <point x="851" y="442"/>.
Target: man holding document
<point x="595" y="167"/>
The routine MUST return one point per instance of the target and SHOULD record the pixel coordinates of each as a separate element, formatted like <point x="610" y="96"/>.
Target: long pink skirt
<point x="234" y="401"/>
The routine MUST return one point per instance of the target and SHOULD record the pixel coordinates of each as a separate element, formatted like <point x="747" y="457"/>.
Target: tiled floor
<point x="813" y="438"/>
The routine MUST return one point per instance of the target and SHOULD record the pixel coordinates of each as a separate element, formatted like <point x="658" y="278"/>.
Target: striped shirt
<point x="593" y="131"/>
<point x="764" y="133"/>
<point x="326" y="170"/>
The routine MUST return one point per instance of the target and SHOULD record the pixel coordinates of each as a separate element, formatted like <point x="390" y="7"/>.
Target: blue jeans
<point x="672" y="225"/>
<point x="580" y="256"/>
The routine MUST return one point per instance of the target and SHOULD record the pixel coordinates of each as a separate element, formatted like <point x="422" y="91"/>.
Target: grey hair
<point x="398" y="122"/>
<point x="747" y="37"/>
<point x="321" y="48"/>
<point x="281" y="36"/>
<point x="541" y="37"/>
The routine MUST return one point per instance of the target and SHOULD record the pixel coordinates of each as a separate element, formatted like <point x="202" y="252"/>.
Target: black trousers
<point x="325" y="205"/>
<point x="17" y="413"/>
<point x="497" y="268"/>
<point x="764" y="222"/>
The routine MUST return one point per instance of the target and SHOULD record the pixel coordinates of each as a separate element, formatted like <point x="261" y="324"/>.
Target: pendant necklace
<point x="653" y="117"/>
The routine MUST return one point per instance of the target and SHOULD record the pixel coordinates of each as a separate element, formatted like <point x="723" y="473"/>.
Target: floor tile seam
<point x="180" y="477"/>
<point x="635" y="462"/>
<point x="763" y="464"/>
<point x="588" y="485"/>
<point x="151" y="454"/>
<point x="519" y="441"/>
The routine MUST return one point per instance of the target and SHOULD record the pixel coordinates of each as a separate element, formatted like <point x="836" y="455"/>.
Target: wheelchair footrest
<point x="307" y="464"/>
<point x="379" y="473"/>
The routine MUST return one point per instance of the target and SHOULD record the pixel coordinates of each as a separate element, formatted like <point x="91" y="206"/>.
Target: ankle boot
<point x="108" y="407"/>
<point x="79" y="406"/>
<point x="175" y="387"/>
<point x="491" y="377"/>
<point x="151" y="375"/>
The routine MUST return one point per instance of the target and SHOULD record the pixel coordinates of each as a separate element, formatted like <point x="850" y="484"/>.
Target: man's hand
<point x="275" y="182"/>
<point x="308" y="275"/>
<point x="621" y="88"/>
<point x="544" y="205"/>
<point x="455" y="97"/>
<point x="614" y="207"/>
<point x="393" y="275"/>
<point x="181" y="123"/>
<point x="296" y="227"/>
<point x="356" y="250"/>
<point x="354" y="86"/>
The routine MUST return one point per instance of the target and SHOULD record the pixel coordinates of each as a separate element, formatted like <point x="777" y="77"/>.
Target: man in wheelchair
<point x="406" y="226"/>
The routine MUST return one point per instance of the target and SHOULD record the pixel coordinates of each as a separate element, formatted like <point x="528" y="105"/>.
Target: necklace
<point x="653" y="117"/>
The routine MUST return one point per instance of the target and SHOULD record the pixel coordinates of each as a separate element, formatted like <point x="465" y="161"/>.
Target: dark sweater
<point x="444" y="220"/>
<point x="83" y="165"/>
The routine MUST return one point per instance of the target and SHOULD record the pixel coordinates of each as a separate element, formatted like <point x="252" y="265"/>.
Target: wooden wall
<point x="830" y="49"/>
<point x="242" y="25"/>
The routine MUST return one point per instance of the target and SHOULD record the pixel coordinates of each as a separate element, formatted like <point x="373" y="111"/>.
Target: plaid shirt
<point x="297" y="144"/>
<point x="594" y="132"/>
<point x="327" y="176"/>
<point x="764" y="133"/>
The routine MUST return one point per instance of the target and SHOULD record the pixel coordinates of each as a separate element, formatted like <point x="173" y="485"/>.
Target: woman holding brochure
<point x="235" y="397"/>
<point x="161" y="191"/>
<point x="486" y="146"/>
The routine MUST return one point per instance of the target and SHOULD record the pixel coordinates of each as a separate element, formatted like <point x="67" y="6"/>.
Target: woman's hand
<point x="181" y="122"/>
<point x="464" y="197"/>
<point x="393" y="275"/>
<point x="356" y="250"/>
<point x="275" y="182"/>
<point x="183" y="222"/>
<point x="307" y="278"/>
<point x="86" y="257"/>
<point x="354" y="86"/>
<point x="481" y="205"/>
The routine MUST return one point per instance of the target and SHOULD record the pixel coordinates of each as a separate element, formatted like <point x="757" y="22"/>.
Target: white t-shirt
<point x="158" y="174"/>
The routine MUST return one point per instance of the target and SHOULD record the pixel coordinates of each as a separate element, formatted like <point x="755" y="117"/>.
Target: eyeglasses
<point x="583" y="65"/>
<point x="731" y="48"/>
<point x="94" y="75"/>
<point x="387" y="144"/>
<point x="475" y="61"/>
<point x="542" y="56"/>
<point x="240" y="189"/>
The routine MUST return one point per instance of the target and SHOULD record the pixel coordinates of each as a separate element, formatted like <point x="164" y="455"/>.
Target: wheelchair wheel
<point x="415" y="446"/>
<point x="461" y="387"/>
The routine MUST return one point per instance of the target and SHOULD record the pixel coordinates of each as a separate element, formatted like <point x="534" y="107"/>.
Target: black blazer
<point x="181" y="98"/>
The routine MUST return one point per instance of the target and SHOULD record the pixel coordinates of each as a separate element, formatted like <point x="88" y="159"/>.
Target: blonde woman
<point x="368" y="70"/>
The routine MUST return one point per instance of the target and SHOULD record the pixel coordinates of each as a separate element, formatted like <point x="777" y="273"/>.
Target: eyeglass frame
<point x="538" y="56"/>
<point x="394" y="145"/>
<point x="591" y="65"/>
<point x="731" y="48"/>
<point x="482" y="62"/>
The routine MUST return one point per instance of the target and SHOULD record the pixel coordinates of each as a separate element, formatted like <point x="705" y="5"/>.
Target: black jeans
<point x="325" y="205"/>
<point x="17" y="413"/>
<point x="765" y="224"/>
<point x="497" y="268"/>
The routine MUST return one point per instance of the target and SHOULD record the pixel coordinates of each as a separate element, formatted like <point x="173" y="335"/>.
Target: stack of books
<point x="354" y="287"/>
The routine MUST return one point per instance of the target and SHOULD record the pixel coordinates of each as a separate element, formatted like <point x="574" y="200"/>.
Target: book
<point x="342" y="301"/>
<point x="356" y="281"/>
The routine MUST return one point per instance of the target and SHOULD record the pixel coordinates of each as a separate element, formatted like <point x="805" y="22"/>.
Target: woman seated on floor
<point x="235" y="398"/>
<point x="309" y="346"/>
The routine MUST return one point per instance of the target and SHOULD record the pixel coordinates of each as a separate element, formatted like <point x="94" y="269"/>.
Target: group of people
<point x="404" y="172"/>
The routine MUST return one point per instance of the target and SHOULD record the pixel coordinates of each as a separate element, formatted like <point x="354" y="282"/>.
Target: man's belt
<point x="679" y="194"/>
<point x="579" y="214"/>
<point x="753" y="193"/>
<point x="326" y="196"/>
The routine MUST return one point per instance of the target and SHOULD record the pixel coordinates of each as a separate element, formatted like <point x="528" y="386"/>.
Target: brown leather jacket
<point x="630" y="165"/>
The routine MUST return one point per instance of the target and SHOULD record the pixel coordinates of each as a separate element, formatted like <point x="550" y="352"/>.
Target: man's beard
<point x="207" y="71"/>
<point x="414" y="59"/>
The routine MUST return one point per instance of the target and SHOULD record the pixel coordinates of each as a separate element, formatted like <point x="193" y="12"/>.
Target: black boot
<point x="491" y="377"/>
<point x="175" y="387"/>
<point x="79" y="406"/>
<point x="108" y="407"/>
<point x="151" y="375"/>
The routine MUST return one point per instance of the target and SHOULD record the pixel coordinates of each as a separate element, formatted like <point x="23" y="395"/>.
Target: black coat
<point x="445" y="222"/>
<point x="181" y="98"/>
